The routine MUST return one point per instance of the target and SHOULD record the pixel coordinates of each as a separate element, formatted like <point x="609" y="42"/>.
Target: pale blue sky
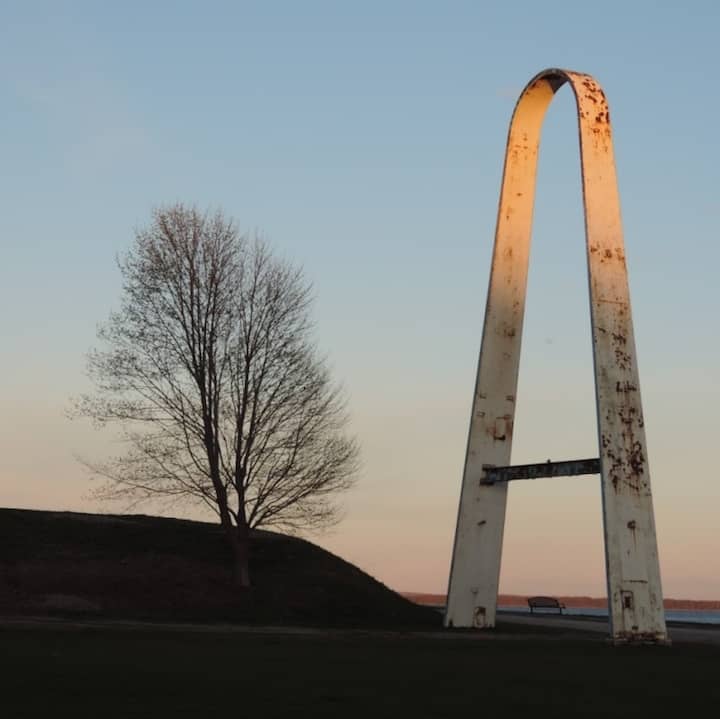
<point x="366" y="141"/>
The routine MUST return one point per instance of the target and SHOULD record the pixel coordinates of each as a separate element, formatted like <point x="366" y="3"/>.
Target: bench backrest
<point x="543" y="602"/>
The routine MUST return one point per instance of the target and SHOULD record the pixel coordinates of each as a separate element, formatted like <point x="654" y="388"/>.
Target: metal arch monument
<point x="631" y="557"/>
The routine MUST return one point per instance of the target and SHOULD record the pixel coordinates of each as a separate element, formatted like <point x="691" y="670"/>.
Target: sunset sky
<point x="366" y="140"/>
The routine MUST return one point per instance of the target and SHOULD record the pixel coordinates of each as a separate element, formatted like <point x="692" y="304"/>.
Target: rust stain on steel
<point x="631" y="556"/>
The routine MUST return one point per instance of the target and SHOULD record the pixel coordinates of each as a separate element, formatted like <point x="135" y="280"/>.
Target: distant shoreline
<point x="574" y="601"/>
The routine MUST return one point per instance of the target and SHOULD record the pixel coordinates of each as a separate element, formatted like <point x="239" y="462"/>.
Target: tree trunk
<point x="241" y="551"/>
<point x="238" y="538"/>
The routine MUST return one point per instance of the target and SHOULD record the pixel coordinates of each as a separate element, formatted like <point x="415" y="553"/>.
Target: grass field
<point x="108" y="673"/>
<point x="96" y="571"/>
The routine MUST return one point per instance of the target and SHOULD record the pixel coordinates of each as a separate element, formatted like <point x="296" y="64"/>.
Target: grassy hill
<point x="140" y="567"/>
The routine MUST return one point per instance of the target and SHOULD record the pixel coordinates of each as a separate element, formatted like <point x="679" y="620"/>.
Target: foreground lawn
<point x="153" y="673"/>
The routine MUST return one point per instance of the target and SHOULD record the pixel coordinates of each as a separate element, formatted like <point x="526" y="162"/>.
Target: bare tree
<point x="210" y="370"/>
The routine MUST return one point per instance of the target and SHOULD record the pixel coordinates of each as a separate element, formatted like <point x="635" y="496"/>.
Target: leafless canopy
<point x="211" y="370"/>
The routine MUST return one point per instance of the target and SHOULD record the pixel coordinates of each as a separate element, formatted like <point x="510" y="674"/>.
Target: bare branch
<point x="210" y="370"/>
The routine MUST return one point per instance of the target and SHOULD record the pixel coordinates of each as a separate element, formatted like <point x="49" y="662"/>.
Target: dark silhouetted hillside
<point x="135" y="566"/>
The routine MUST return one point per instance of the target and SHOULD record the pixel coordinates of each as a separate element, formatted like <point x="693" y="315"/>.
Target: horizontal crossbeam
<point x="572" y="467"/>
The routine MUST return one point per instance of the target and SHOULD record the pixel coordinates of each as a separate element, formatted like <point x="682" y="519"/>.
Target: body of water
<point x="671" y="615"/>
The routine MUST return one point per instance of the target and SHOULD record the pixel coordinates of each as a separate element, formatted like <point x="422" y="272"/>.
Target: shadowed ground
<point x="135" y="617"/>
<point x="155" y="672"/>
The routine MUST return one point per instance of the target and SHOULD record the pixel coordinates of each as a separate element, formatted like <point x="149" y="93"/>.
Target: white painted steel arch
<point x="633" y="574"/>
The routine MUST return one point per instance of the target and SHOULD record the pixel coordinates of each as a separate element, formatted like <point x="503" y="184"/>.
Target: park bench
<point x="544" y="603"/>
